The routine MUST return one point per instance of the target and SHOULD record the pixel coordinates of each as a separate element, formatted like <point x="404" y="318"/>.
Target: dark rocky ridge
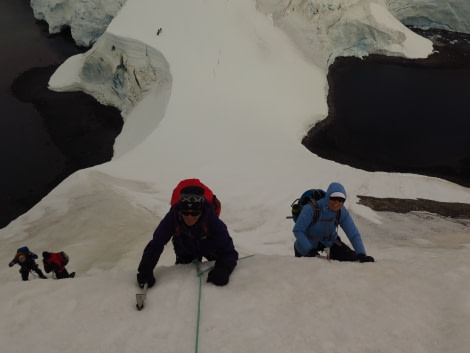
<point x="446" y="209"/>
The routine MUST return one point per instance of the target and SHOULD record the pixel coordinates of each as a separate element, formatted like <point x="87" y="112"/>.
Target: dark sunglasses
<point x="191" y="213"/>
<point x="339" y="199"/>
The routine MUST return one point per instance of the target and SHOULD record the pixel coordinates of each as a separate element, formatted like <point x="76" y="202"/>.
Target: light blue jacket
<point x="308" y="235"/>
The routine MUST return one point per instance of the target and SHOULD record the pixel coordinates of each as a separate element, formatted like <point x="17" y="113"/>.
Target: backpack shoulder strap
<point x="316" y="210"/>
<point x="338" y="216"/>
<point x="316" y="214"/>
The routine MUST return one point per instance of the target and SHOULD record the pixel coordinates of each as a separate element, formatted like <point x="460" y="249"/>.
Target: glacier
<point x="124" y="66"/>
<point x="121" y="71"/>
<point x="87" y="20"/>
<point x="452" y="15"/>
<point x="127" y="60"/>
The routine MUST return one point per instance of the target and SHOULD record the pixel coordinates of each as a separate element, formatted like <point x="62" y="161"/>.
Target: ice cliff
<point x="451" y="15"/>
<point x="87" y="19"/>
<point x="116" y="71"/>
<point x="324" y="30"/>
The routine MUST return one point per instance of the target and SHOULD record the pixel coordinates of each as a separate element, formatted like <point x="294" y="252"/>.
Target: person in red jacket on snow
<point x="55" y="262"/>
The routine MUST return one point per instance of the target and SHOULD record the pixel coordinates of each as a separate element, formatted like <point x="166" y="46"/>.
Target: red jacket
<point x="54" y="262"/>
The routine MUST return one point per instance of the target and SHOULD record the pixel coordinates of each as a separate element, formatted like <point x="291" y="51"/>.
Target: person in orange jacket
<point x="55" y="262"/>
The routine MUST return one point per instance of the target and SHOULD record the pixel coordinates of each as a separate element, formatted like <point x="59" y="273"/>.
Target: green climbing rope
<point x="199" y="274"/>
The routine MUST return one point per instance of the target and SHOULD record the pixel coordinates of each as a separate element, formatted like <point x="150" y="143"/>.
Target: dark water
<point x="44" y="136"/>
<point x="397" y="115"/>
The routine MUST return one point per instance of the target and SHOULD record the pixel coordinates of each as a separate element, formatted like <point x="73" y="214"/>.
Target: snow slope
<point x="237" y="96"/>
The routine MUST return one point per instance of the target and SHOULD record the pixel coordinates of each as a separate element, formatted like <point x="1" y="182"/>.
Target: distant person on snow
<point x="196" y="232"/>
<point x="55" y="262"/>
<point x="26" y="259"/>
<point x="311" y="237"/>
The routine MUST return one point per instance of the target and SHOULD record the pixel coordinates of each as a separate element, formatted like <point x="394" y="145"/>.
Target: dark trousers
<point x="338" y="251"/>
<point x="342" y="252"/>
<point x="25" y="272"/>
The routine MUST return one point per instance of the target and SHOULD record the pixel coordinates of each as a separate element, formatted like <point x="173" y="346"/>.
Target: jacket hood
<point x="335" y="187"/>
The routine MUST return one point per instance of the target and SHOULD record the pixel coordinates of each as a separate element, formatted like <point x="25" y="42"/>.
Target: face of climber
<point x="336" y="203"/>
<point x="190" y="217"/>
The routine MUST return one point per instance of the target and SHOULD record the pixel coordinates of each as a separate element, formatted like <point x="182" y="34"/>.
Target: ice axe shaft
<point x="327" y="251"/>
<point x="140" y="297"/>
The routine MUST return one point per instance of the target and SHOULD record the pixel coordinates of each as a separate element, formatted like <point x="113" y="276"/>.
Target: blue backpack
<point x="310" y="197"/>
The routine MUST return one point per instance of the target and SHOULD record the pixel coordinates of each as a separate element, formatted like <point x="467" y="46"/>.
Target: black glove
<point x="145" y="271"/>
<point x="219" y="276"/>
<point x="145" y="278"/>
<point x="365" y="258"/>
<point x="312" y="253"/>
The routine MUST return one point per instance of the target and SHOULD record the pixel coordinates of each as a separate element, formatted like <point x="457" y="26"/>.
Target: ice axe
<point x="140" y="297"/>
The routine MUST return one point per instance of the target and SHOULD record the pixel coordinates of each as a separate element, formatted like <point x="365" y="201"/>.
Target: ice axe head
<point x="140" y="297"/>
